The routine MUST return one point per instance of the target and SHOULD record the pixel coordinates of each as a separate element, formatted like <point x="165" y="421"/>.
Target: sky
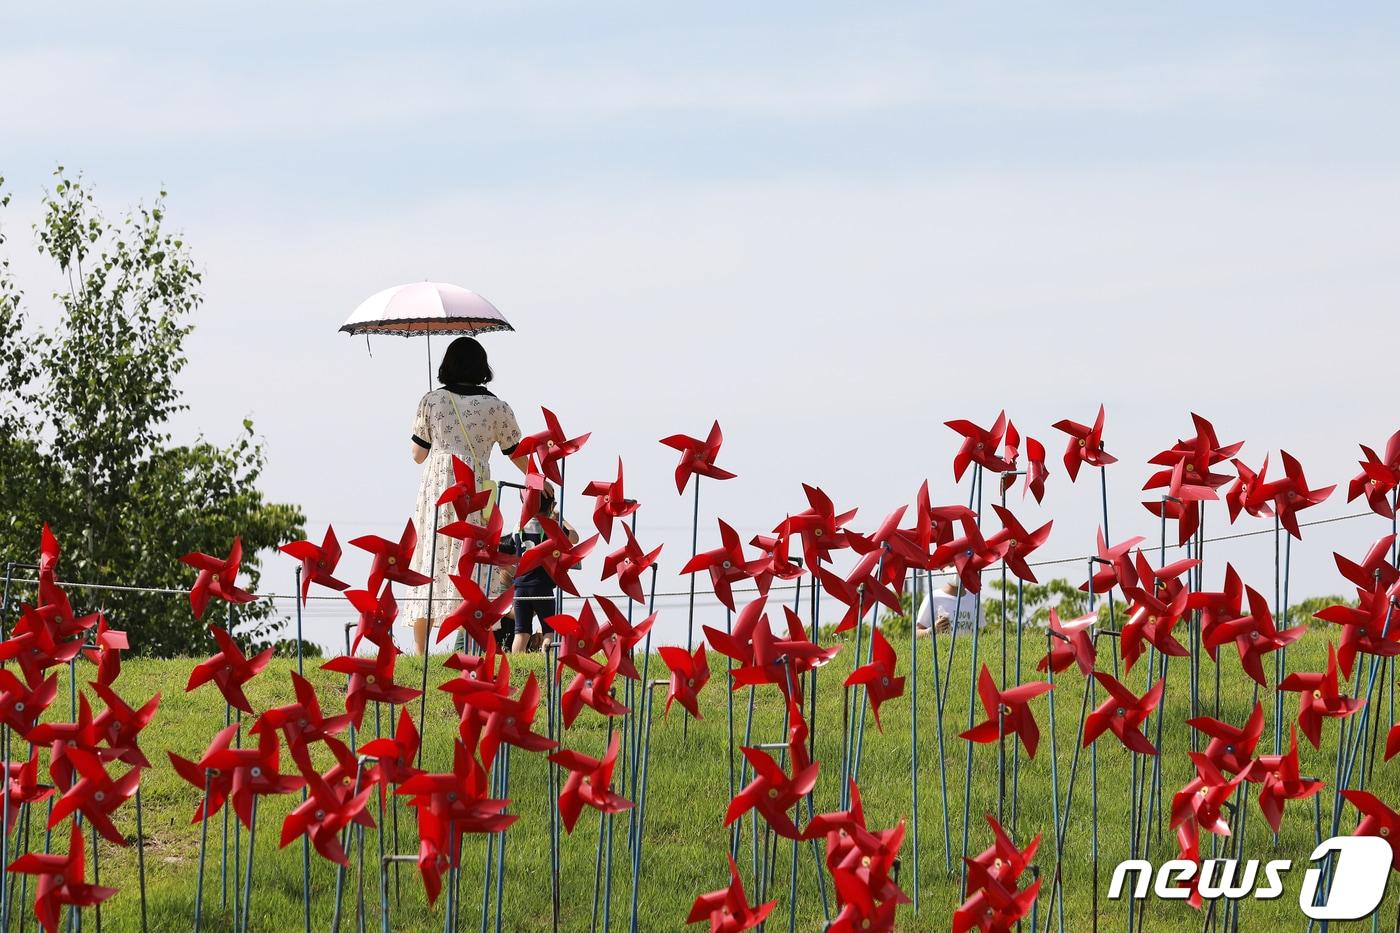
<point x="830" y="227"/>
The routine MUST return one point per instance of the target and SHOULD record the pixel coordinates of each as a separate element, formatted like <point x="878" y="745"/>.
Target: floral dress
<point x="488" y="423"/>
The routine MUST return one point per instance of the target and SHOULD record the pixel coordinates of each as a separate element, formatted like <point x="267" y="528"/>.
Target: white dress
<point x="490" y="424"/>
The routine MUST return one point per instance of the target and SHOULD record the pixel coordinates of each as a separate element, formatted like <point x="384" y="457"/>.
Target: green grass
<point x="685" y="841"/>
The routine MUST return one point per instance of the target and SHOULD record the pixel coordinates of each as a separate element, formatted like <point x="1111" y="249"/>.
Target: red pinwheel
<point x="1010" y="453"/>
<point x="550" y="446"/>
<point x="592" y="686"/>
<point x="726" y="564"/>
<point x="771" y="792"/>
<point x="481" y="544"/>
<point x="120" y="725"/>
<point x="1070" y="643"/>
<point x="1159" y="600"/>
<point x="34" y="647"/>
<point x="49" y="590"/>
<point x="1320" y="698"/>
<point x="371" y="680"/>
<point x="1121" y="713"/>
<point x="1280" y="781"/>
<point x="63" y="736"/>
<point x="477" y="614"/>
<point x="1085" y="445"/>
<point x="94" y="794"/>
<point x="1377" y="819"/>
<point x="236" y="774"/>
<point x="1375" y="572"/>
<point x="821" y="528"/>
<point x="108" y="653"/>
<point x="589" y="783"/>
<point x="1113" y="563"/>
<point x="979" y="446"/>
<point x="1254" y="635"/>
<point x="465" y="498"/>
<point x="556" y="554"/>
<point x="23" y="787"/>
<point x="377" y="615"/>
<point x="230" y="669"/>
<point x="1218" y="607"/>
<point x="1003" y="861"/>
<point x="1366" y="627"/>
<point x="1018" y="542"/>
<point x="689" y="674"/>
<point x="317" y="563"/>
<point x="878" y="676"/>
<point x="995" y="908"/>
<point x="21" y="706"/>
<point x="447" y="806"/>
<point x="624" y="634"/>
<point x="1182" y="500"/>
<point x="859" y="854"/>
<point x="510" y="720"/>
<point x="1202" y="798"/>
<point x="1378" y="478"/>
<point x="860" y="591"/>
<point x="1007" y="712"/>
<point x="301" y="723"/>
<point x="697" y="456"/>
<point x="580" y="638"/>
<point x="1296" y="495"/>
<point x="609" y="502"/>
<point x="628" y="563"/>
<point x="1036" y="471"/>
<point x="728" y="909"/>
<point x="970" y="555"/>
<point x="395" y="755"/>
<point x="393" y="560"/>
<point x="479" y="675"/>
<point x="218" y="577"/>
<point x="776" y="561"/>
<point x="1231" y="748"/>
<point x="59" y="881"/>
<point x="330" y="806"/>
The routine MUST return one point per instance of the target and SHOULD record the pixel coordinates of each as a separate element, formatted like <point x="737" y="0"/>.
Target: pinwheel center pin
<point x="690" y="681"/>
<point x="1317" y="694"/>
<point x="556" y="552"/>
<point x="1254" y="636"/>
<point x="1005" y="708"/>
<point x="1081" y="442"/>
<point x="1385" y="830"/>
<point x="1230" y="749"/>
<point x="480" y="543"/>
<point x="99" y="796"/>
<point x="728" y="564"/>
<point x="773" y="792"/>
<point x="256" y="771"/>
<point x="582" y="643"/>
<point x="369" y="678"/>
<point x="818" y="533"/>
<point x="510" y="720"/>
<point x="884" y="681"/>
<point x="392" y="560"/>
<point x="19" y="707"/>
<point x="478" y="614"/>
<point x="865" y="861"/>
<point x="452" y="796"/>
<point x="320" y="815"/>
<point x="997" y="863"/>
<point x="1120" y="711"/>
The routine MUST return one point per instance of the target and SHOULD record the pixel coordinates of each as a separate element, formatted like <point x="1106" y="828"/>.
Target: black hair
<point x="464" y="363"/>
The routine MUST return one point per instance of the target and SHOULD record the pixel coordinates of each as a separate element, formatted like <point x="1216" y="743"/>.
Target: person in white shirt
<point x="939" y="607"/>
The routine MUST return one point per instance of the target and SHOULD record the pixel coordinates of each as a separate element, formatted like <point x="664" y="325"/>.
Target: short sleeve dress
<point x="468" y="423"/>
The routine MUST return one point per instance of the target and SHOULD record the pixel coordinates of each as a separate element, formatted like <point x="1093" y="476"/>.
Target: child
<point x="534" y="591"/>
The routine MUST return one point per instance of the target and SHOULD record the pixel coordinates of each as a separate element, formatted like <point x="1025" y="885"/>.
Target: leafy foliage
<point x="84" y="414"/>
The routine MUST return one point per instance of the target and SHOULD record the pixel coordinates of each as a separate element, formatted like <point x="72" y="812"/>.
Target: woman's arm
<point x="420" y="453"/>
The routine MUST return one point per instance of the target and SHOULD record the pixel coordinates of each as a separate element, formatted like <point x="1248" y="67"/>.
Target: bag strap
<point x="465" y="433"/>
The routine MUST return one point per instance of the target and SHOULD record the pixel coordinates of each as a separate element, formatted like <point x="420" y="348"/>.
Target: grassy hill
<point x="685" y="841"/>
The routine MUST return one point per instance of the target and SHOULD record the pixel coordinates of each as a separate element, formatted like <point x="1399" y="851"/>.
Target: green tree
<point x="84" y="412"/>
